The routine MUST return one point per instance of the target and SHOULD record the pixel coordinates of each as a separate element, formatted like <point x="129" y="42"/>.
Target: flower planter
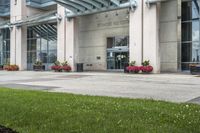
<point x="39" y="67"/>
<point x="11" y="67"/>
<point x="195" y="69"/>
<point x="146" y="69"/>
<point x="56" y="68"/>
<point x="66" y="68"/>
<point x="1" y="67"/>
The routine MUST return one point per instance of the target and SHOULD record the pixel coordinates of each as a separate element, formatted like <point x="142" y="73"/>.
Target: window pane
<point x="110" y="42"/>
<point x="121" y="41"/>
<point x="190" y="31"/>
<point x="191" y="52"/>
<point x="190" y="10"/>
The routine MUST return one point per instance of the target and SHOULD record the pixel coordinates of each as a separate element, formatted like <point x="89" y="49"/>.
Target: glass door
<point x="117" y="52"/>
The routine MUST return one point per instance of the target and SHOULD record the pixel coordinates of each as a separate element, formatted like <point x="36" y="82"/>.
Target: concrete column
<point x="18" y="35"/>
<point x="71" y="33"/>
<point x="151" y="36"/>
<point x="135" y="34"/>
<point x="61" y="35"/>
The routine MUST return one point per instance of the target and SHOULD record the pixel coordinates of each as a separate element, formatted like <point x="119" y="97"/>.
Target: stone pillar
<point x="67" y="42"/>
<point x="151" y="36"/>
<point x="71" y="33"/>
<point x="135" y="34"/>
<point x="18" y="36"/>
<point x="61" y="34"/>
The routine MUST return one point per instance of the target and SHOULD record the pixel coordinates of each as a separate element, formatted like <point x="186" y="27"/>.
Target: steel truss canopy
<point x="85" y="7"/>
<point x="40" y="3"/>
<point x="46" y="29"/>
<point x="38" y="19"/>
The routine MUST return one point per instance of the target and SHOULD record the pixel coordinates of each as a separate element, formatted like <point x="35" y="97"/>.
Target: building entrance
<point x="117" y="53"/>
<point x="42" y="45"/>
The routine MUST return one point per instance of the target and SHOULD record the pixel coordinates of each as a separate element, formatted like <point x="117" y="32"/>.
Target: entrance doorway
<point x="42" y="45"/>
<point x="117" y="52"/>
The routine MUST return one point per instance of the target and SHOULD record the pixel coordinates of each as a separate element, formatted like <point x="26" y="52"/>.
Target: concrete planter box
<point x="195" y="69"/>
<point x="39" y="68"/>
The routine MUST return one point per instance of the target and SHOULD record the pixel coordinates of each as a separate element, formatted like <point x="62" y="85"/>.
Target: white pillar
<point x="61" y="35"/>
<point x="18" y="36"/>
<point x="151" y="36"/>
<point x="135" y="34"/>
<point x="70" y="42"/>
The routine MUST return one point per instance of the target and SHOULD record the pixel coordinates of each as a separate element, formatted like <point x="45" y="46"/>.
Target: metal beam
<point x="84" y="4"/>
<point x="116" y="2"/>
<point x="154" y="1"/>
<point x="72" y="4"/>
<point x="105" y="9"/>
<point x="93" y="3"/>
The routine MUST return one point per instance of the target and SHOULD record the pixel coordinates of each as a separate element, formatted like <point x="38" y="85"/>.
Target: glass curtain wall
<point x="42" y="45"/>
<point x="190" y="33"/>
<point x="4" y="46"/>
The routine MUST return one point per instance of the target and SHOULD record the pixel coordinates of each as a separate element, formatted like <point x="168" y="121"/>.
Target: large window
<point x="190" y="33"/>
<point x="42" y="45"/>
<point x="4" y="46"/>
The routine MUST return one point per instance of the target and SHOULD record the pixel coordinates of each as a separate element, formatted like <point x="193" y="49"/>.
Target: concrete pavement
<point x="168" y="87"/>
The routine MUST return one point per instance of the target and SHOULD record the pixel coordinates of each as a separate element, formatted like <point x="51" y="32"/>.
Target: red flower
<point x="56" y="68"/>
<point x="134" y="69"/>
<point x="66" y="68"/>
<point x="11" y="68"/>
<point x="146" y="69"/>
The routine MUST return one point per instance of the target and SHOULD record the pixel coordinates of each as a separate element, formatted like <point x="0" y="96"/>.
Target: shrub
<point x="133" y="69"/>
<point x="11" y="67"/>
<point x="146" y="63"/>
<point x="56" y="68"/>
<point x="38" y="63"/>
<point x="146" y="69"/>
<point x="66" y="68"/>
<point x="61" y="66"/>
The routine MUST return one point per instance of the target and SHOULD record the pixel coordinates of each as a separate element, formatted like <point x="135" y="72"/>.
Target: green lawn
<point x="43" y="112"/>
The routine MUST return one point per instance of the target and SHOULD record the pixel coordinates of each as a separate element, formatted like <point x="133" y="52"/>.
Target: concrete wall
<point x="92" y="35"/>
<point x="169" y="35"/>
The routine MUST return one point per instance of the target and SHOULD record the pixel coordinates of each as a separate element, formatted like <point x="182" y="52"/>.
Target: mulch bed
<point x="6" y="130"/>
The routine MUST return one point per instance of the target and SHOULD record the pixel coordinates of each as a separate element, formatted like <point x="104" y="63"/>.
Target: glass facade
<point x="4" y="46"/>
<point x="190" y="48"/>
<point x="117" y="52"/>
<point x="42" y="45"/>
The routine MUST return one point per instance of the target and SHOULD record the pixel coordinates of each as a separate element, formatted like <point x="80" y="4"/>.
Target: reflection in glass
<point x="4" y="46"/>
<point x="190" y="34"/>
<point x="42" y="45"/>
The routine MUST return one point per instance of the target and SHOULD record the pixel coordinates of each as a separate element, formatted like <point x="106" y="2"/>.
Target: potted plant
<point x="38" y="66"/>
<point x="11" y="67"/>
<point x="57" y="67"/>
<point x="66" y="67"/>
<point x="132" y="68"/>
<point x="146" y="67"/>
<point x="195" y="69"/>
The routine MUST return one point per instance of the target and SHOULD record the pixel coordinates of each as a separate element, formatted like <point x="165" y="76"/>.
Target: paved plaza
<point x="168" y="87"/>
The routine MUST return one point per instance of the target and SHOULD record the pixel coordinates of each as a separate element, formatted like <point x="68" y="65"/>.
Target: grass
<point x="43" y="112"/>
